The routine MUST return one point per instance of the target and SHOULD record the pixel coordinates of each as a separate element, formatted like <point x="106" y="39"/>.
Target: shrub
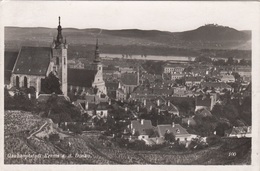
<point x="212" y="140"/>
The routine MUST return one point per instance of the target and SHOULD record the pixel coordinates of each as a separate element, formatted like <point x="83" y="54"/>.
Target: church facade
<point x="34" y="64"/>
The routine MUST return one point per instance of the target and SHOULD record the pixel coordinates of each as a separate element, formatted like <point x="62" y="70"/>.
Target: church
<point x="34" y="64"/>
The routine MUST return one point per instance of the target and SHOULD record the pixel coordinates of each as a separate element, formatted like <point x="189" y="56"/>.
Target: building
<point x="171" y="68"/>
<point x="178" y="131"/>
<point x="34" y="64"/>
<point x="143" y="128"/>
<point x="82" y="80"/>
<point x="217" y="86"/>
<point x="129" y="81"/>
<point x="193" y="81"/>
<point x="177" y="75"/>
<point x="227" y="79"/>
<point x="239" y="132"/>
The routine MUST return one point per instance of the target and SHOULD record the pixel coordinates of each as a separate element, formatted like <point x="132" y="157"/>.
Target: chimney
<point x="188" y="122"/>
<point x="142" y="121"/>
<point x="29" y="95"/>
<point x="144" y="102"/>
<point x="109" y="102"/>
<point x="151" y="107"/>
<point x="248" y="129"/>
<point x="133" y="132"/>
<point x="168" y="103"/>
<point x="126" y="109"/>
<point x="159" y="111"/>
<point x="173" y="124"/>
<point x="37" y="95"/>
<point x="137" y="109"/>
<point x="86" y="105"/>
<point x="158" y="102"/>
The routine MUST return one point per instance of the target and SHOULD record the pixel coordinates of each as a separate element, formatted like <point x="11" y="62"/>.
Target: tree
<point x="230" y="61"/>
<point x="169" y="137"/>
<point x="51" y="85"/>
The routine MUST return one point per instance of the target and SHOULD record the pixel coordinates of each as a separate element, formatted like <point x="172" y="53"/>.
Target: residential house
<point x="171" y="68"/>
<point x="193" y="81"/>
<point x="227" y="78"/>
<point x="178" y="131"/>
<point x="142" y="129"/>
<point x="205" y="101"/>
<point x="217" y="86"/>
<point x="204" y="112"/>
<point x="239" y="132"/>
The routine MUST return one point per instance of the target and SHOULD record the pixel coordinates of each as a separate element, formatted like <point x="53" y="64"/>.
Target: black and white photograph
<point x="130" y="83"/>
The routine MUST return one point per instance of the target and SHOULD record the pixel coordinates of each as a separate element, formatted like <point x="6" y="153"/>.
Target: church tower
<point x="97" y="66"/>
<point x="59" y="59"/>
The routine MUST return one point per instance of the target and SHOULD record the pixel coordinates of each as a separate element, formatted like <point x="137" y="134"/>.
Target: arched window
<point x="57" y="61"/>
<point x="17" y="82"/>
<point x="25" y="82"/>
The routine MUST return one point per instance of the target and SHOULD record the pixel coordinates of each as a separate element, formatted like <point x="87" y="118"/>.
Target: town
<point x="117" y="108"/>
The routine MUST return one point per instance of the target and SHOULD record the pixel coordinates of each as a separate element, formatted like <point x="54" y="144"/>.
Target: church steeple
<point x="59" y="36"/>
<point x="97" y="57"/>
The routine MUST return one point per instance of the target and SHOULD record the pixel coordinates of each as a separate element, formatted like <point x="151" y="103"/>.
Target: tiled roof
<point x="221" y="85"/>
<point x="129" y="79"/>
<point x="9" y="60"/>
<point x="81" y="77"/>
<point x="33" y="61"/>
<point x="193" y="79"/>
<point x="240" y="130"/>
<point x="204" y="112"/>
<point x="176" y="130"/>
<point x="111" y="85"/>
<point x="203" y="101"/>
<point x="144" y="129"/>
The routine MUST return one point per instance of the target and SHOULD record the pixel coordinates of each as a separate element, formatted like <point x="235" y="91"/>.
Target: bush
<point x="212" y="140"/>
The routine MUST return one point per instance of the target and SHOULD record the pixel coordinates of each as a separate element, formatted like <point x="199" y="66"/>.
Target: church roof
<point x="9" y="61"/>
<point x="10" y="58"/>
<point x="33" y="61"/>
<point x="81" y="77"/>
<point x="129" y="79"/>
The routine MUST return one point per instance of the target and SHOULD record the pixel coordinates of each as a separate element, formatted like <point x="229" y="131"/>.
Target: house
<point x="227" y="79"/>
<point x="171" y="68"/>
<point x="142" y="129"/>
<point x="178" y="131"/>
<point x="193" y="81"/>
<point x="205" y="101"/>
<point x="239" y="132"/>
<point x="204" y="112"/>
<point x="217" y="86"/>
<point x="176" y="75"/>
<point x="189" y="121"/>
<point x="115" y="90"/>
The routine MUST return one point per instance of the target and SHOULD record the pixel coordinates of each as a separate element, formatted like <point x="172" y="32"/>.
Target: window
<point x="64" y="61"/>
<point x="57" y="61"/>
<point x="25" y="82"/>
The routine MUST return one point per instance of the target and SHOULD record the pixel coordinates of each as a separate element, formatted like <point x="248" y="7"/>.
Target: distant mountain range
<point x="205" y="37"/>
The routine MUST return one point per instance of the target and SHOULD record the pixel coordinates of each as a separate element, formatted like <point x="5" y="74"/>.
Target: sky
<point x="153" y="15"/>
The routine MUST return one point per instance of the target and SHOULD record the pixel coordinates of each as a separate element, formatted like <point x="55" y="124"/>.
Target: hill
<point x="134" y="41"/>
<point x="23" y="146"/>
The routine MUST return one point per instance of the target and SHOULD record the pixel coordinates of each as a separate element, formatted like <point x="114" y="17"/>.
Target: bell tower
<point x="59" y="59"/>
<point x="97" y="66"/>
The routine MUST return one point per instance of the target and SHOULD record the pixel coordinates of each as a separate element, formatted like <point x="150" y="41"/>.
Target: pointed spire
<point x="97" y="58"/>
<point x="59" y="36"/>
